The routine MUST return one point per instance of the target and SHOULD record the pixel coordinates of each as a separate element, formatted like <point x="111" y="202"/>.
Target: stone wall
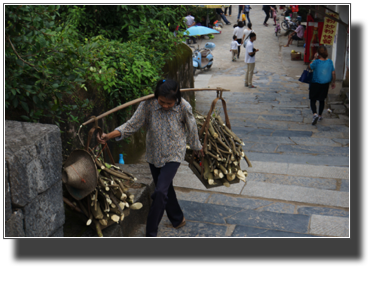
<point x="33" y="187"/>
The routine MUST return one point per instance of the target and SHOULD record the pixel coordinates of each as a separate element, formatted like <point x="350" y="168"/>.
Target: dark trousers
<point x="247" y="15"/>
<point x="164" y="198"/>
<point x="321" y="106"/>
<point x="229" y="9"/>
<point x="267" y="15"/>
<point x="239" y="41"/>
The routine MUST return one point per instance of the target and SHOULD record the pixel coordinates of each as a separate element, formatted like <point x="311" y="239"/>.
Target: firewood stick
<point x="96" y="199"/>
<point x="70" y="204"/>
<point x="247" y="160"/>
<point x="212" y="132"/>
<point x="98" y="228"/>
<point x="115" y="201"/>
<point x="225" y="182"/>
<point x="83" y="208"/>
<point x="212" y="155"/>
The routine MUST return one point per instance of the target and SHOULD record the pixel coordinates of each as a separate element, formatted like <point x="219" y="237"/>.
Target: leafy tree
<point x="41" y="62"/>
<point x="54" y="52"/>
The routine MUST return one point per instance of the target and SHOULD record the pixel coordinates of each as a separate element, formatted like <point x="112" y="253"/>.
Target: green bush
<point x="53" y="53"/>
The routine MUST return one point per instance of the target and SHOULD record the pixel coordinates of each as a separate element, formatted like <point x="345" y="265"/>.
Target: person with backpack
<point x="246" y="34"/>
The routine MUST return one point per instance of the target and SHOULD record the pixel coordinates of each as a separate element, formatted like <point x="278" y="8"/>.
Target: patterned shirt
<point x="168" y="132"/>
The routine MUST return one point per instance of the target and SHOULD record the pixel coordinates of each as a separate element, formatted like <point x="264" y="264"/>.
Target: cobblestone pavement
<point x="299" y="183"/>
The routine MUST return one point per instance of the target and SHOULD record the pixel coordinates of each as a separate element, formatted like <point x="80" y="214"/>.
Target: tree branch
<point x="20" y="56"/>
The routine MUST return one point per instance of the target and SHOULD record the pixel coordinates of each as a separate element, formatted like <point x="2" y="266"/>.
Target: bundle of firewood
<point x="223" y="152"/>
<point x="110" y="202"/>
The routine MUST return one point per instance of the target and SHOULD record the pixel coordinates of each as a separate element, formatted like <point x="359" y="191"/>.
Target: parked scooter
<point x="287" y="24"/>
<point x="203" y="58"/>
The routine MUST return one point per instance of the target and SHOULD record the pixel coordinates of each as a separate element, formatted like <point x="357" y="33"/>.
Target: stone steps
<point x="278" y="200"/>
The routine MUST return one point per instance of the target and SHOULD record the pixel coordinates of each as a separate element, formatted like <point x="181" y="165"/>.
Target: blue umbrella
<point x="200" y="31"/>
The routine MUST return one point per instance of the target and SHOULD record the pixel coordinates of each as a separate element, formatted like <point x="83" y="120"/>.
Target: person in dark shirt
<point x="266" y="9"/>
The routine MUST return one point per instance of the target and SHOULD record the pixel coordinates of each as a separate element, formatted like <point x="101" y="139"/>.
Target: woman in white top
<point x="238" y="32"/>
<point x="247" y="32"/>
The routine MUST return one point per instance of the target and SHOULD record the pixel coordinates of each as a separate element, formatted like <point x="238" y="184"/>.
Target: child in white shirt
<point x="234" y="48"/>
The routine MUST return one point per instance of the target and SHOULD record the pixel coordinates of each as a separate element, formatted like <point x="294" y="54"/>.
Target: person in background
<point x="323" y="76"/>
<point x="229" y="11"/>
<point x="220" y="12"/>
<point x="240" y="11"/>
<point x="246" y="12"/>
<point x="190" y="22"/>
<point x="274" y="15"/>
<point x="266" y="9"/>
<point x="234" y="48"/>
<point x="295" y="10"/>
<point x="272" y="9"/>
<point x="247" y="32"/>
<point x="288" y="11"/>
<point x="250" y="60"/>
<point x="283" y="8"/>
<point x="238" y="32"/>
<point x="298" y="34"/>
<point x="170" y="125"/>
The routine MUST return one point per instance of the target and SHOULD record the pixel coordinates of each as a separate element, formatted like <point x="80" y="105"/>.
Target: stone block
<point x="207" y="213"/>
<point x="283" y="118"/>
<point x="45" y="214"/>
<point x="241" y="202"/>
<point x="195" y="196"/>
<point x="278" y="207"/>
<point x="58" y="233"/>
<point x="287" y="133"/>
<point x="319" y="183"/>
<point x="318" y="171"/>
<point x="33" y="154"/>
<point x="314" y="141"/>
<point x="323" y="211"/>
<point x="261" y="147"/>
<point x="14" y="226"/>
<point x="344" y="185"/>
<point x="243" y="231"/>
<point x="314" y="150"/>
<point x="8" y="203"/>
<point x="268" y="140"/>
<point x="268" y="220"/>
<point x="330" y="135"/>
<point x="299" y="159"/>
<point x="191" y="229"/>
<point x="296" y="194"/>
<point x="329" y="226"/>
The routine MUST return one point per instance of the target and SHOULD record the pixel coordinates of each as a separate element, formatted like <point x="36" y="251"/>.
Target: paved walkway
<point x="299" y="183"/>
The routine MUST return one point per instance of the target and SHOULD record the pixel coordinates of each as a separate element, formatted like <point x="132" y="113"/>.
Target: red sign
<point x="313" y="36"/>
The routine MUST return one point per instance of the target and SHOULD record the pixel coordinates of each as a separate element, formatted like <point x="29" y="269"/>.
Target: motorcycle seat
<point x="204" y="53"/>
